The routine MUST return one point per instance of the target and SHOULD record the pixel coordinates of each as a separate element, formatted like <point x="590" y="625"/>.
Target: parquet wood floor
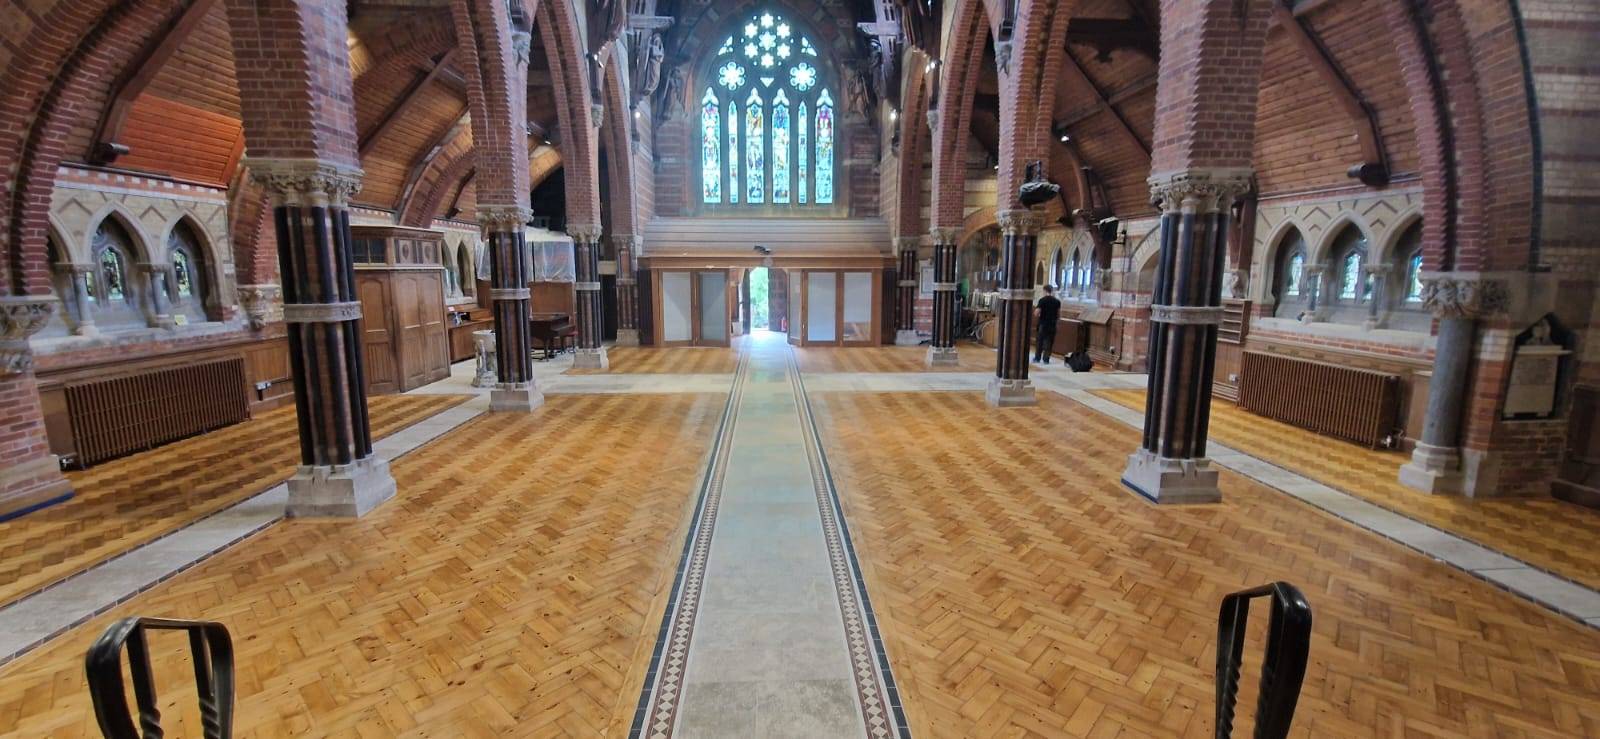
<point x="126" y="502"/>
<point x="648" y="360"/>
<point x="970" y="358"/>
<point x="513" y="587"/>
<point x="1548" y="533"/>
<point x="1022" y="591"/>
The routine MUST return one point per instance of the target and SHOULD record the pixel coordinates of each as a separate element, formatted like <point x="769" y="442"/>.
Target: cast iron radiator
<point x="1354" y="404"/>
<point x="123" y="415"/>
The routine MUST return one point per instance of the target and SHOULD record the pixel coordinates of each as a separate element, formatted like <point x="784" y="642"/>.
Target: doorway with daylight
<point x="768" y="300"/>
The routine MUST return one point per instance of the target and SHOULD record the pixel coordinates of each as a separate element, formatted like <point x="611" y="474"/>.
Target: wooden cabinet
<point x="400" y="282"/>
<point x="471" y="319"/>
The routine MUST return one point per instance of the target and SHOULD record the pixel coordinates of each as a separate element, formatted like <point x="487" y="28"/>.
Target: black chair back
<point x="211" y="650"/>
<point x="1282" y="669"/>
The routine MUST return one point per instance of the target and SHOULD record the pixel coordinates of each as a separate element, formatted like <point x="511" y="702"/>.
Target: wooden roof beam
<point x="137" y="78"/>
<point x="403" y="105"/>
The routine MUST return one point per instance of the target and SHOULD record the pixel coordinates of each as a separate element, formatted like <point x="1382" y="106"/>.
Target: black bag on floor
<point x="1080" y="362"/>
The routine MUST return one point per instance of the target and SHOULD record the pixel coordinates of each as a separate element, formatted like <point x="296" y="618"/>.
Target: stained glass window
<point x="800" y="128"/>
<point x="755" y="139"/>
<point x="184" y="274"/>
<point x="1350" y="276"/>
<point x="112" y="268"/>
<point x="1414" y="278"/>
<point x="824" y="148"/>
<point x="785" y="121"/>
<point x="780" y="148"/>
<point x="710" y="149"/>
<point x="1297" y="267"/>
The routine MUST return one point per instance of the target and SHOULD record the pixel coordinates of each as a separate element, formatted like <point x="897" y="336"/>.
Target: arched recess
<point x="617" y="126"/>
<point x="958" y="82"/>
<point x="558" y="29"/>
<point x="193" y="284"/>
<point x="67" y="74"/>
<point x="1027" y="93"/>
<point x="913" y="127"/>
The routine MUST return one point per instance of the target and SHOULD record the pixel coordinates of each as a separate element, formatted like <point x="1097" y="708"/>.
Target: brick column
<point x="509" y="274"/>
<point x="1185" y="310"/>
<point x="586" y="252"/>
<point x="943" y="351"/>
<point x="1010" y="385"/>
<point x="905" y="304"/>
<point x="627" y="246"/>
<point x="338" y="474"/>
<point x="1457" y="301"/>
<point x="30" y="476"/>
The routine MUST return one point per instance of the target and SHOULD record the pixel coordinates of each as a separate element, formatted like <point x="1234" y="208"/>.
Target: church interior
<point x="812" y="368"/>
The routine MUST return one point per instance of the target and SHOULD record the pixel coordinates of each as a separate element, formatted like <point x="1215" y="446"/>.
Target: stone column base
<point x="627" y="337"/>
<point x="907" y="337"/>
<point x="1005" y="393"/>
<point x="942" y="356"/>
<point x="515" y="397"/>
<point x="31" y="485"/>
<point x="340" y="490"/>
<point x="1433" y="469"/>
<point x="590" y="358"/>
<point x="1171" y="481"/>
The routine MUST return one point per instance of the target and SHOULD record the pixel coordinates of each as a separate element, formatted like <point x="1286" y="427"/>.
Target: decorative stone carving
<point x="1185" y="314"/>
<point x="944" y="234"/>
<point x="322" y="312"/>
<point x="1199" y="190"/>
<point x="21" y="316"/>
<point x="522" y="44"/>
<point x="906" y="243"/>
<point x="262" y="304"/>
<point x="483" y="343"/>
<point x="1237" y="281"/>
<point x="585" y="232"/>
<point x="1019" y="221"/>
<point x="306" y="182"/>
<point x="1453" y="295"/>
<point x="503" y="218"/>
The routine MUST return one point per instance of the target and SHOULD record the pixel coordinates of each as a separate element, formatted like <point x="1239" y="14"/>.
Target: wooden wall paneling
<point x="267" y="363"/>
<point x="549" y="298"/>
<point x="179" y="140"/>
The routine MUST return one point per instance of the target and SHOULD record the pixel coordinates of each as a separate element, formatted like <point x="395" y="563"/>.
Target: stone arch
<point x="565" y="52"/>
<point x="142" y="242"/>
<point x="1402" y="224"/>
<point x="913" y="128"/>
<point x="1274" y="255"/>
<point x="1318" y="251"/>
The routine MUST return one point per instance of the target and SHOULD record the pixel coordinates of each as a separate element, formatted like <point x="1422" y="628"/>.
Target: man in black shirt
<point x="1047" y="312"/>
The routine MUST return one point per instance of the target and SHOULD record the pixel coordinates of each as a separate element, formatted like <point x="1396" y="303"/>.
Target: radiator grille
<point x="1354" y="404"/>
<point x="123" y="415"/>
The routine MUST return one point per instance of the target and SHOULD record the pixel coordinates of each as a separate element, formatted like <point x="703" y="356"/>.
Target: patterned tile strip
<point x="875" y="688"/>
<point x="659" y="700"/>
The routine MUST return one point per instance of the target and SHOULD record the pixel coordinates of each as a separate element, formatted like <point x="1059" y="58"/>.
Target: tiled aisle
<point x="767" y="635"/>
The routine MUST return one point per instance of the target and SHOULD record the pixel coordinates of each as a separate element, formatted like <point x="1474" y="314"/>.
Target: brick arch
<point x="958" y="81"/>
<point x="72" y="60"/>
<point x="442" y="176"/>
<point x="428" y="33"/>
<point x="580" y="156"/>
<point x="1027" y="93"/>
<point x="616" y="128"/>
<point x="913" y="144"/>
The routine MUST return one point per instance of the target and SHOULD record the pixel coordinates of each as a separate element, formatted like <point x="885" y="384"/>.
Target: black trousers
<point x="1047" y="337"/>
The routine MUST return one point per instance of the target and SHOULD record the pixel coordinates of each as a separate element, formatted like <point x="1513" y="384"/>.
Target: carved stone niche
<point x="1538" y="364"/>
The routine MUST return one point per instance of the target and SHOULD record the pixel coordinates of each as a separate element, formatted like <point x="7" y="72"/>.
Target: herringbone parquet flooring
<point x="647" y="360"/>
<point x="513" y="587"/>
<point x="971" y="358"/>
<point x="1548" y="533"/>
<point x="1022" y="591"/>
<point x="126" y="502"/>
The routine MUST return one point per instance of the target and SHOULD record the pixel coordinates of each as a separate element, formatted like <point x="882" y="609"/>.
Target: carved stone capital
<point x="597" y="114"/>
<point x="1460" y="295"/>
<point x="944" y="234"/>
<point x="522" y="44"/>
<point x="632" y="243"/>
<point x="1019" y="222"/>
<point x="21" y="316"/>
<point x="306" y="182"/>
<point x="906" y="243"/>
<point x="262" y="304"/>
<point x="503" y="218"/>
<point x="588" y="233"/>
<point x="1206" y="190"/>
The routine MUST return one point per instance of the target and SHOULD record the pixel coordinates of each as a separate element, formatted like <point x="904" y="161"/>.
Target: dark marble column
<point x="1010" y="385"/>
<point x="627" y="246"/>
<point x="1458" y="301"/>
<point x="943" y="351"/>
<point x="338" y="474"/>
<point x="591" y="354"/>
<point x="1185" y="310"/>
<point x="905" y="305"/>
<point x="504" y="226"/>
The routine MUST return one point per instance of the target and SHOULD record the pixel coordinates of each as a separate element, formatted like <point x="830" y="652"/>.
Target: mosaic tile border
<point x="876" y="692"/>
<point x="656" y="714"/>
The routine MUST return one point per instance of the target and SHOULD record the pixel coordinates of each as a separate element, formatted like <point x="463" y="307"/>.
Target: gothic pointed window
<point x="186" y="290"/>
<point x="767" y="126"/>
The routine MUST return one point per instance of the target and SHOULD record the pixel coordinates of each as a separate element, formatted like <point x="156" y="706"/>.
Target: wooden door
<point x="377" y="337"/>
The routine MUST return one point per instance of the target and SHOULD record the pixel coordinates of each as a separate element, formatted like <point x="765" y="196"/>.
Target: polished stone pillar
<point x="338" y="474"/>
<point x="1185" y="311"/>
<point x="627" y="246"/>
<point x="905" y="313"/>
<point x="591" y="354"/>
<point x="1378" y="301"/>
<point x="1010" y="385"/>
<point x="504" y="227"/>
<point x="158" y="311"/>
<point x="83" y="323"/>
<point x="1457" y="301"/>
<point x="945" y="311"/>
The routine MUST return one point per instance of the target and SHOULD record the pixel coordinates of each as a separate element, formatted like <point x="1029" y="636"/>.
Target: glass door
<point x="677" y="301"/>
<point x="855" y="325"/>
<point x="713" y="308"/>
<point x="822" y="295"/>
